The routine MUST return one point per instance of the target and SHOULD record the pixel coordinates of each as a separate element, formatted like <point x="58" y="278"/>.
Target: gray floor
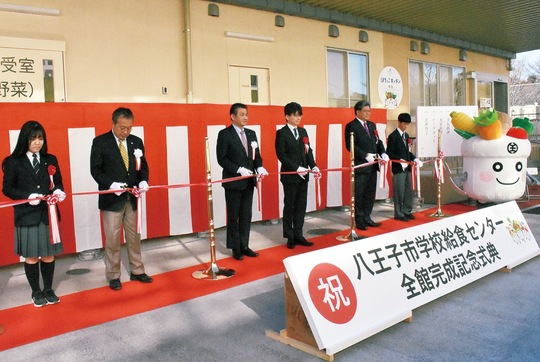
<point x="494" y="319"/>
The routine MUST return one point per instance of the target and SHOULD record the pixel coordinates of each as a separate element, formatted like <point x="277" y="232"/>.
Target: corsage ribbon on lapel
<point x="138" y="154"/>
<point x="51" y="170"/>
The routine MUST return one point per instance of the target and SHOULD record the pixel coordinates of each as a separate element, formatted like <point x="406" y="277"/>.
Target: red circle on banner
<point x="332" y="293"/>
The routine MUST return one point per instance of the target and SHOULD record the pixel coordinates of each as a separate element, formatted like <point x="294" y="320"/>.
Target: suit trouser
<point x="294" y="209"/>
<point x="365" y="187"/>
<point x="239" y="205"/>
<point x="403" y="194"/>
<point x="112" y="223"/>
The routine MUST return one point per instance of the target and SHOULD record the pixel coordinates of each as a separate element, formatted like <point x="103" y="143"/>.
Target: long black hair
<point x="29" y="131"/>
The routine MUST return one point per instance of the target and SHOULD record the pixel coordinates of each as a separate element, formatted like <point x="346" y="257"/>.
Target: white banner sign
<point x="352" y="291"/>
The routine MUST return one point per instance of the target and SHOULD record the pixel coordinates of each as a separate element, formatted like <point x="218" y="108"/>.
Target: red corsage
<point x="306" y="144"/>
<point x="51" y="169"/>
<point x="376" y="133"/>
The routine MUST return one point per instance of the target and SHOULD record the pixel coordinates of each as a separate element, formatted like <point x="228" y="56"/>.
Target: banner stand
<point x="297" y="332"/>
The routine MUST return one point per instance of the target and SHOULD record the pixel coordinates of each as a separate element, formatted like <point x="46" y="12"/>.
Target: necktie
<point x="35" y="163"/>
<point x="295" y="133"/>
<point x="123" y="153"/>
<point x="244" y="140"/>
<point x="404" y="138"/>
<point x="367" y="129"/>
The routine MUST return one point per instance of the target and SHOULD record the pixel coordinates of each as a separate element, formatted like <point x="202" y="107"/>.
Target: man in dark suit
<point x="398" y="149"/>
<point x="367" y="147"/>
<point x="239" y="155"/>
<point x="295" y="154"/>
<point x="118" y="161"/>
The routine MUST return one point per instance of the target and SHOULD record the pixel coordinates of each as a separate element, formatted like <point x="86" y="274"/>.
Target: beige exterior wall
<point x="127" y="50"/>
<point x="116" y="50"/>
<point x="296" y="58"/>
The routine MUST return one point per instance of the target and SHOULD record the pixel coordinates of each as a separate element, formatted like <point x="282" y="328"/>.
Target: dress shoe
<point x="290" y="243"/>
<point x="302" y="241"/>
<point x="410" y="216"/>
<point x="250" y="253"/>
<point x="401" y="218"/>
<point x="143" y="278"/>
<point x="237" y="254"/>
<point x="373" y="223"/>
<point x="115" y="284"/>
<point x="361" y="226"/>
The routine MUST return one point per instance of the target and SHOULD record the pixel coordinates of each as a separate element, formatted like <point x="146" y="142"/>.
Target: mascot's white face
<point x="496" y="169"/>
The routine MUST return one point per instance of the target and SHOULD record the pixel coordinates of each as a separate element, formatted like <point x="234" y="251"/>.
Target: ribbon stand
<point x="214" y="272"/>
<point x="352" y="236"/>
<point x="439" y="171"/>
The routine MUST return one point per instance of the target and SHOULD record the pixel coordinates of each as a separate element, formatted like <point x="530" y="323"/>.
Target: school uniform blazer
<point x="20" y="181"/>
<point x="363" y="144"/>
<point x="397" y="150"/>
<point x="291" y="152"/>
<point x="107" y="166"/>
<point x="231" y="155"/>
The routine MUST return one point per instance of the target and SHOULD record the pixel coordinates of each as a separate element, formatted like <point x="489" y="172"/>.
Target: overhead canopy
<point x="495" y="27"/>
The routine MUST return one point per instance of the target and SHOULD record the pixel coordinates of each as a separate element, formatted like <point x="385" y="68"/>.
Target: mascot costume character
<point x="495" y="152"/>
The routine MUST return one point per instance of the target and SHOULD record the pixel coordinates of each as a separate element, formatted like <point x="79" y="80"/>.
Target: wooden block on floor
<point x="285" y="339"/>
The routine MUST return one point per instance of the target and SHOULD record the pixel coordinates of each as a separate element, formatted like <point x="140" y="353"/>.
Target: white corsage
<point x="254" y="146"/>
<point x="138" y="154"/>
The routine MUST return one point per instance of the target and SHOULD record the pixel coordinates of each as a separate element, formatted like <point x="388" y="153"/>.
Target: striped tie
<point x="244" y="141"/>
<point x="35" y="163"/>
<point x="123" y="153"/>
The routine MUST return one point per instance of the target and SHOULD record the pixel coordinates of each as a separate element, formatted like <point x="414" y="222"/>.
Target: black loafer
<point x="401" y="218"/>
<point x="237" y="254"/>
<point x="373" y="223"/>
<point x="250" y="253"/>
<point x="303" y="242"/>
<point x="361" y="226"/>
<point x="143" y="278"/>
<point x="410" y="216"/>
<point x="115" y="284"/>
<point x="290" y="243"/>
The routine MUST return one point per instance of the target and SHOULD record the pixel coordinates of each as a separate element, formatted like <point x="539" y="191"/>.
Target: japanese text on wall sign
<point x="17" y="88"/>
<point x="425" y="279"/>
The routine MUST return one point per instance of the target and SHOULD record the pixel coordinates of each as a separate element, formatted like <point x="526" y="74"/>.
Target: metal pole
<point x="352" y="236"/>
<point x="439" y="212"/>
<point x="213" y="272"/>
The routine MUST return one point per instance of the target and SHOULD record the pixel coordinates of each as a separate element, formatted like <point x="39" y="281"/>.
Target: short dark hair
<point x="121" y="112"/>
<point x="292" y="108"/>
<point x="235" y="107"/>
<point x="361" y="104"/>
<point x="404" y="117"/>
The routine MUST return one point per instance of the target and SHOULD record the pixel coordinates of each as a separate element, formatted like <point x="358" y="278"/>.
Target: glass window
<point x="433" y="84"/>
<point x="347" y="78"/>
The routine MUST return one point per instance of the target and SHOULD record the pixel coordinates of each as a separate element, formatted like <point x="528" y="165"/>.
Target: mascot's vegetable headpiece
<point x="495" y="152"/>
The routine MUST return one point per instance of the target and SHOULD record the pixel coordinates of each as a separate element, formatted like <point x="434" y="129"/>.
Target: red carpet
<point x="27" y="324"/>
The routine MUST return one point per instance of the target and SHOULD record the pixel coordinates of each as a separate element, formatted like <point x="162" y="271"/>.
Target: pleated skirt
<point x="34" y="241"/>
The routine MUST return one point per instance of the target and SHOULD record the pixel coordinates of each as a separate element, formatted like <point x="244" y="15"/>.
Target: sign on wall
<point x="428" y="123"/>
<point x="390" y="87"/>
<point x="31" y="70"/>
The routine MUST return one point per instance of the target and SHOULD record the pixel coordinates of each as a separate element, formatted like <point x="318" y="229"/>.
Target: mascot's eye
<point x="497" y="167"/>
<point x="519" y="166"/>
